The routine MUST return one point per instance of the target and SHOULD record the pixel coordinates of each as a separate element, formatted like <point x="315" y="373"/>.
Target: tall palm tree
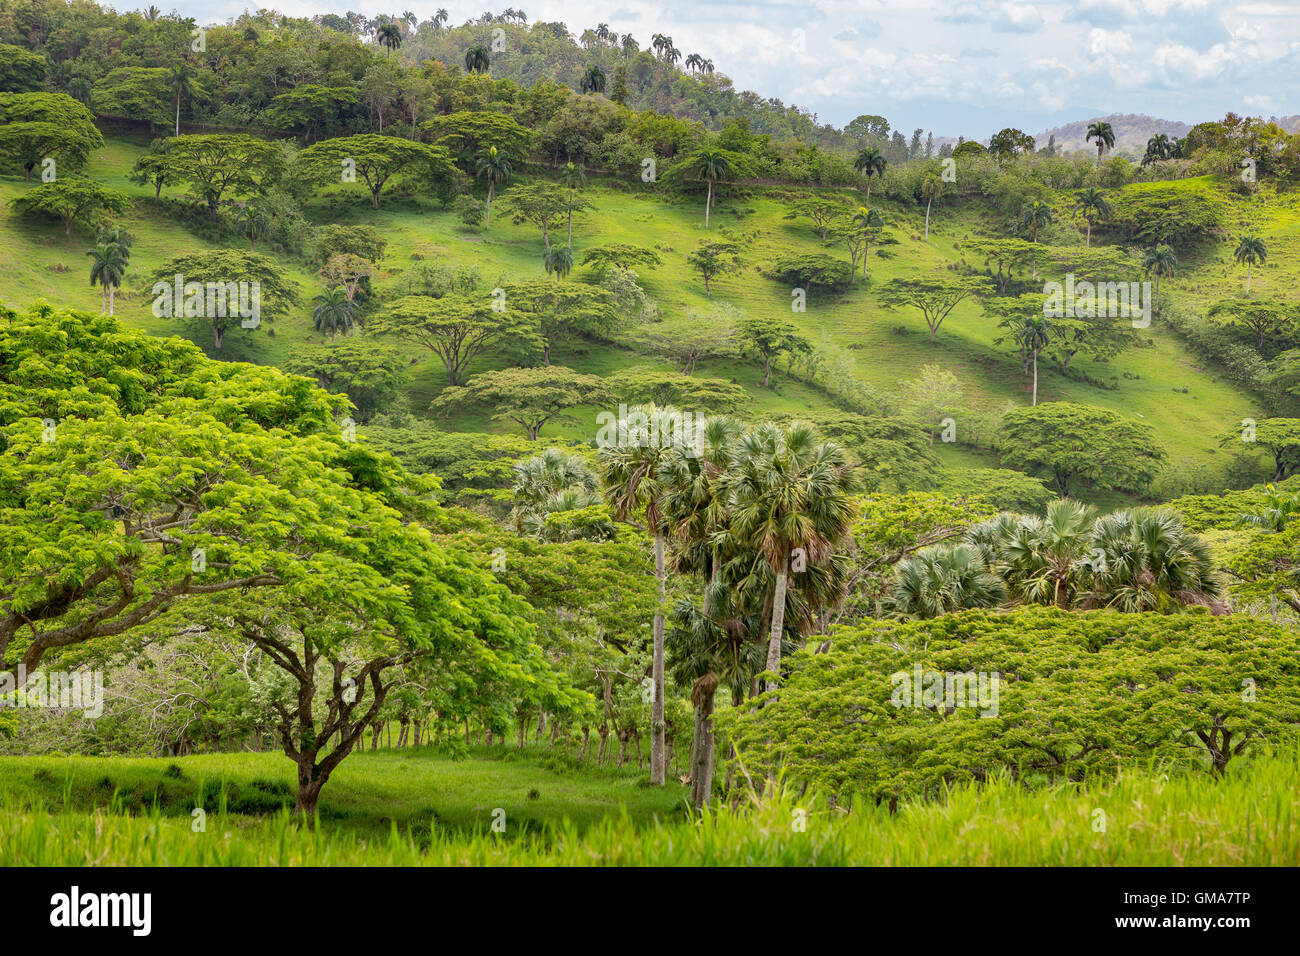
<point x="630" y="474"/>
<point x="1035" y="334"/>
<point x="1103" y="134"/>
<point x="629" y="45"/>
<point x="789" y="490"/>
<point x="1036" y="214"/>
<point x="440" y="20"/>
<point x="334" y="312"/>
<point x="389" y="35"/>
<point x="661" y="43"/>
<point x="559" y="260"/>
<point x="870" y="162"/>
<point x="593" y="80"/>
<point x="477" y="59"/>
<point x="710" y="165"/>
<point x="494" y="166"/>
<point x="672" y="55"/>
<point x="1092" y="203"/>
<point x="931" y="189"/>
<point x="693" y="62"/>
<point x="1252" y="251"/>
<point x="183" y="82"/>
<point x="942" y="579"/>
<point x="866" y="220"/>
<point x="1161" y="263"/>
<point x="254" y="224"/>
<point x="108" y="262"/>
<point x="574" y="177"/>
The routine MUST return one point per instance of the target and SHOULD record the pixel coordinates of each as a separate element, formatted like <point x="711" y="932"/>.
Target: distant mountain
<point x="1132" y="130"/>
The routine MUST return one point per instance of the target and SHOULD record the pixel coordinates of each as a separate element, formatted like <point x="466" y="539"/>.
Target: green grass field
<point x="418" y="808"/>
<point x="886" y="346"/>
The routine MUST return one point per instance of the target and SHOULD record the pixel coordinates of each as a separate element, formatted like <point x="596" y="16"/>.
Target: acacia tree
<point x="714" y="258"/>
<point x="222" y="164"/>
<point x="769" y="338"/>
<point x="563" y="311"/>
<point x="1072" y="441"/>
<point x="72" y="200"/>
<point x="1261" y="316"/>
<point x="39" y="126"/>
<point x="376" y="159"/>
<point x="529" y="397"/>
<point x="456" y="328"/>
<point x="196" y="287"/>
<point x="934" y="296"/>
<point x="541" y="204"/>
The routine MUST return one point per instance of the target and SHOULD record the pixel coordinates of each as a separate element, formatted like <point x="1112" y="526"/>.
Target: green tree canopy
<point x="529" y="397"/>
<point x="375" y="159"/>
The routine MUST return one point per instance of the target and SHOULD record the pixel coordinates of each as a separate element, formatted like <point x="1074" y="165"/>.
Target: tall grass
<point x="1146" y="818"/>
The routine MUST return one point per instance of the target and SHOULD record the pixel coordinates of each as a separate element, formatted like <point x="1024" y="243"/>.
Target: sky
<point x="955" y="67"/>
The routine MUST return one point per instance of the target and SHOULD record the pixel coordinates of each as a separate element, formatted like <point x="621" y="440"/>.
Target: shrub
<point x="814" y="271"/>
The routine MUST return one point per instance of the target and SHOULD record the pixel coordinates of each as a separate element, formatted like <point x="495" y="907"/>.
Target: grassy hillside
<point x="1187" y="404"/>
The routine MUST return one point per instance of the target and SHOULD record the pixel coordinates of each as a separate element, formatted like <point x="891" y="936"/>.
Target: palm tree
<point x="707" y="66"/>
<point x="1145" y="560"/>
<point x="789" y="491"/>
<point x="629" y="45"/>
<point x="870" y="162"/>
<point x="672" y="55"/>
<point x="1092" y="203"/>
<point x="107" y="267"/>
<point x="710" y="165"/>
<point x="494" y="166"/>
<point x="389" y="35"/>
<point x="866" y="220"/>
<point x="477" y="59"/>
<point x="334" y="312"/>
<point x="942" y="579"/>
<point x="182" y="80"/>
<point x="440" y="20"/>
<point x="540" y="481"/>
<point x="1252" y="251"/>
<point x="931" y="189"/>
<point x="559" y="260"/>
<point x="1159" y="262"/>
<point x="1034" y="335"/>
<point x="255" y="225"/>
<point x="574" y="177"/>
<point x="661" y="43"/>
<point x="593" y="80"/>
<point x="1035" y="215"/>
<point x="630" y="474"/>
<point x="1103" y="134"/>
<point x="694" y="62"/>
<point x="1044" y="560"/>
<point x="80" y="89"/>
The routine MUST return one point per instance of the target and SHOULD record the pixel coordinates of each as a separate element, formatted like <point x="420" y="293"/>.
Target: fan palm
<point x="942" y="579"/>
<point x="1145" y="560"/>
<point x="1043" y="560"/>
<point x="1092" y="203"/>
<point x="789" y="490"/>
<point x="1252" y="251"/>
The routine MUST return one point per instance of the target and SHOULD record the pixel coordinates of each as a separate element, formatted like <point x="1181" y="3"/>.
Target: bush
<point x="1076" y="695"/>
<point x="469" y="210"/>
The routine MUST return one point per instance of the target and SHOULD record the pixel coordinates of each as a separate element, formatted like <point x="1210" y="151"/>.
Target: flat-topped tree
<point x="542" y="204"/>
<point x="620" y="254"/>
<point x="563" y="311"/>
<point x="768" y="339"/>
<point x="934" y="296"/>
<point x="643" y="384"/>
<point x="713" y="258"/>
<point x="1280" y="437"/>
<point x="822" y="211"/>
<point x="456" y="328"/>
<point x="1264" y="317"/>
<point x="72" y="200"/>
<point x="39" y="126"/>
<point x="222" y="289"/>
<point x="1071" y="441"/>
<point x="21" y="71"/>
<point x="224" y="164"/>
<point x="466" y="134"/>
<point x="374" y="158"/>
<point x="529" y="397"/>
<point x="1008" y="255"/>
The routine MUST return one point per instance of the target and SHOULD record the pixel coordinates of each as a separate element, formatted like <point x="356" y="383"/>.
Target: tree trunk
<point x="927" y="220"/>
<point x="487" y="222"/>
<point x="178" y="112"/>
<point x="702" y="751"/>
<point x="778" y="620"/>
<point x="658" y="768"/>
<point x="708" y="201"/>
<point x="1248" y="279"/>
<point x="1088" y="242"/>
<point x="1035" y="401"/>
